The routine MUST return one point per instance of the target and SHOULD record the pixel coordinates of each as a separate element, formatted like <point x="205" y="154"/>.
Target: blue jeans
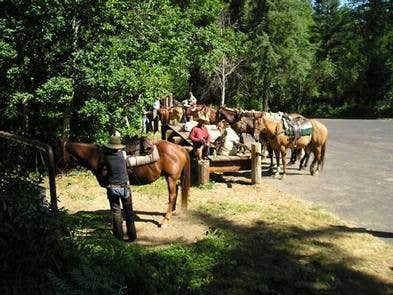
<point x="115" y="194"/>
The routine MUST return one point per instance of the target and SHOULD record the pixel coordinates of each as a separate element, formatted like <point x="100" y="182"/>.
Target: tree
<point x="278" y="50"/>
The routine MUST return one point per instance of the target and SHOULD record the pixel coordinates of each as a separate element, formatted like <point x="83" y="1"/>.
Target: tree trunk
<point x="68" y="109"/>
<point x="223" y="79"/>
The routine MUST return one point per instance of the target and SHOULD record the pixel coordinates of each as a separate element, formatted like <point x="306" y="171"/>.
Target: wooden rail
<point x="51" y="160"/>
<point x="232" y="164"/>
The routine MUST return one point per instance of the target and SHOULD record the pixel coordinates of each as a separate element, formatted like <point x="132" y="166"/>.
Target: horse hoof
<point x="164" y="223"/>
<point x="283" y="177"/>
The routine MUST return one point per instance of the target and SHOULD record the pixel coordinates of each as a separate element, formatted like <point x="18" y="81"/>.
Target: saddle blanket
<point x="297" y="129"/>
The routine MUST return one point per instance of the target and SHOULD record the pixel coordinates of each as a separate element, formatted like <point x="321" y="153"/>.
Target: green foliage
<point x="78" y="69"/>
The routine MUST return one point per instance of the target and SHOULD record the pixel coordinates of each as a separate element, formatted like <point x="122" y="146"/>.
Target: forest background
<point x="76" y="68"/>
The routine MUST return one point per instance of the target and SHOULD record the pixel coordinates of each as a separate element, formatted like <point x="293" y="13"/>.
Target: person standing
<point x="200" y="138"/>
<point x="115" y="161"/>
<point x="155" y="119"/>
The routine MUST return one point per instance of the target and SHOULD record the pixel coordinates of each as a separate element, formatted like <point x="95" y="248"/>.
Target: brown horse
<point x="164" y="115"/>
<point x="243" y="122"/>
<point x="176" y="114"/>
<point x="174" y="164"/>
<point x="204" y="111"/>
<point x="315" y="143"/>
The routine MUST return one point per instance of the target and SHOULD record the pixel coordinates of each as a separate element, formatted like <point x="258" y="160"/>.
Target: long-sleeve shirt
<point x="199" y="132"/>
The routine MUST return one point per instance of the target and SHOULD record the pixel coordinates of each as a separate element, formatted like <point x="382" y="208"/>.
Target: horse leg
<point x="277" y="153"/>
<point x="305" y="158"/>
<point x="171" y="201"/>
<point x="294" y="153"/>
<point x="317" y="159"/>
<point x="177" y="193"/>
<point x="271" y="156"/>
<point x="284" y="161"/>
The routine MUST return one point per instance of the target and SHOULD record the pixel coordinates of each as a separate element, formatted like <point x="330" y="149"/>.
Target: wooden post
<point x="203" y="171"/>
<point x="51" y="161"/>
<point x="171" y="100"/>
<point x="256" y="175"/>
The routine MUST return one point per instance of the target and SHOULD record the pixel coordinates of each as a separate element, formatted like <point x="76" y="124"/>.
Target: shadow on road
<point x="379" y="234"/>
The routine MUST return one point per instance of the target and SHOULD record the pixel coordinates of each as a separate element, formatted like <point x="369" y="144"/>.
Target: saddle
<point x="296" y="127"/>
<point x="140" y="151"/>
<point x="139" y="146"/>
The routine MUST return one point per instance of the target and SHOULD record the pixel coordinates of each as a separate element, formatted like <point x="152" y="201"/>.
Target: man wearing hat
<point x="200" y="137"/>
<point x="117" y="189"/>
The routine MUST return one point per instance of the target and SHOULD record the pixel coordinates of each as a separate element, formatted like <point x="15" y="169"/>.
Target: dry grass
<point x="312" y="239"/>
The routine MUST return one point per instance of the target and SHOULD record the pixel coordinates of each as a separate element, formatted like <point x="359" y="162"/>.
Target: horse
<point x="164" y="115"/>
<point x="315" y="143"/>
<point x="174" y="164"/>
<point x="176" y="114"/>
<point x="243" y="122"/>
<point x="204" y="111"/>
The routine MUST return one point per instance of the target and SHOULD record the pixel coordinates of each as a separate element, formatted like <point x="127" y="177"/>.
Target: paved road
<point x="357" y="181"/>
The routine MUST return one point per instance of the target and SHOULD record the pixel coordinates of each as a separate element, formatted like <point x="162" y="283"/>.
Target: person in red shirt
<point x="200" y="137"/>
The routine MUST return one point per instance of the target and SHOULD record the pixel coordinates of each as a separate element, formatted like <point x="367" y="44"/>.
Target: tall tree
<point x="279" y="50"/>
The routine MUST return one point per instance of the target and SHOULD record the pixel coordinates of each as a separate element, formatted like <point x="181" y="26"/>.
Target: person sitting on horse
<point x="115" y="162"/>
<point x="200" y="138"/>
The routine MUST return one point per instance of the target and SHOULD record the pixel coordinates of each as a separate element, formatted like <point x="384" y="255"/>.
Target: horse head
<point x="88" y="155"/>
<point x="259" y="128"/>
<point x="228" y="114"/>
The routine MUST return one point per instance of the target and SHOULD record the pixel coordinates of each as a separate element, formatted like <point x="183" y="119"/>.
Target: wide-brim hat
<point x="185" y="103"/>
<point x="203" y="119"/>
<point x="114" y="143"/>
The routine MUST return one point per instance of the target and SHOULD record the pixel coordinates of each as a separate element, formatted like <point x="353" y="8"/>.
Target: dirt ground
<point x="232" y="202"/>
<point x="150" y="204"/>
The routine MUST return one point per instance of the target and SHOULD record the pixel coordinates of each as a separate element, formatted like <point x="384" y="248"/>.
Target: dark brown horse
<point x="174" y="164"/>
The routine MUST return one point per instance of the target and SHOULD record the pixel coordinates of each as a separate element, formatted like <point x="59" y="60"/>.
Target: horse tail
<point x="185" y="181"/>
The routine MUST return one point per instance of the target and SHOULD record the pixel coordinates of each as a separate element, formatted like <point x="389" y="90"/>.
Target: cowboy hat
<point x="114" y="143"/>
<point x="185" y="103"/>
<point x="203" y="119"/>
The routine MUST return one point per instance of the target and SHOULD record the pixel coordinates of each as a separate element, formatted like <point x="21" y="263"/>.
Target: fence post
<point x="256" y="175"/>
<point x="52" y="178"/>
<point x="203" y="171"/>
<point x="51" y="161"/>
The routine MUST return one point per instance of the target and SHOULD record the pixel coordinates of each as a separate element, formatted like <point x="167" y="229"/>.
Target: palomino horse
<point x="174" y="164"/>
<point x="315" y="143"/>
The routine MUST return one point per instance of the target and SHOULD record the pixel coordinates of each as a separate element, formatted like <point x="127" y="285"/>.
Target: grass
<point x="155" y="189"/>
<point x="258" y="241"/>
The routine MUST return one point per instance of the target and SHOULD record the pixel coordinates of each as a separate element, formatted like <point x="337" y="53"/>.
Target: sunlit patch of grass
<point x="156" y="189"/>
<point x="213" y="207"/>
<point x="78" y="185"/>
<point x="320" y="213"/>
<point x="207" y="186"/>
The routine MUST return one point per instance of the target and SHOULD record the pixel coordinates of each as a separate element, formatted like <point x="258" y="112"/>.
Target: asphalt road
<point x="357" y="181"/>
